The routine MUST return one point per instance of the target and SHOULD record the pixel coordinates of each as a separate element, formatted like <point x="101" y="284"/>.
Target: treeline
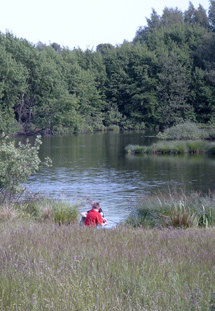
<point x="164" y="76"/>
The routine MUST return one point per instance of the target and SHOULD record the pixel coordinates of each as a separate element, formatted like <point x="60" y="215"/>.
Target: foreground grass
<point x="52" y="267"/>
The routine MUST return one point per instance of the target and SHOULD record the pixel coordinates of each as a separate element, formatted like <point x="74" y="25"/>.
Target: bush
<point x="16" y="165"/>
<point x="185" y="130"/>
<point x="210" y="149"/>
<point x="211" y="134"/>
<point x="114" y="128"/>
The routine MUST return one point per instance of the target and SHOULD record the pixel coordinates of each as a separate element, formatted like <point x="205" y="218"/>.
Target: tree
<point x="201" y="97"/>
<point x="171" y="17"/>
<point x="104" y="47"/>
<point x="211" y="15"/>
<point x="83" y="85"/>
<point x="153" y="23"/>
<point x="13" y="77"/>
<point x="193" y="16"/>
<point x="173" y="91"/>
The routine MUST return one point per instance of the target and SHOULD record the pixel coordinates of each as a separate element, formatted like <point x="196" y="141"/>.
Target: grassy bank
<point x="51" y="267"/>
<point x="174" y="208"/>
<point x="41" y="210"/>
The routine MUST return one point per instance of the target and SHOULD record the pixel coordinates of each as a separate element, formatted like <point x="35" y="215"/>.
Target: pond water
<point x="90" y="167"/>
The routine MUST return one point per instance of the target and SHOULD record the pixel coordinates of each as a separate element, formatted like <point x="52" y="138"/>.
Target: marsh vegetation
<point x="183" y="138"/>
<point x="52" y="267"/>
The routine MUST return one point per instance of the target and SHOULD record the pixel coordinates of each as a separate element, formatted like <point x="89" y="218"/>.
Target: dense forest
<point x="164" y="76"/>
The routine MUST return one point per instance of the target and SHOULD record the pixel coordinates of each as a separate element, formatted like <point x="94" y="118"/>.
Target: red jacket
<point x="93" y="218"/>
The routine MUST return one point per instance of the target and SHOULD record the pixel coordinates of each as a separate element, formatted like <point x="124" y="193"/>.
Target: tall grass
<point x="49" y="267"/>
<point x="173" y="147"/>
<point x="173" y="208"/>
<point x="42" y="209"/>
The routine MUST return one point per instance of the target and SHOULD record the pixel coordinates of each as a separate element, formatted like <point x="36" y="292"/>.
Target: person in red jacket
<point x="94" y="218"/>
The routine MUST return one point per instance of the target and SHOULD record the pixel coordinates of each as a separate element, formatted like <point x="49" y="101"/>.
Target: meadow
<point x="46" y="266"/>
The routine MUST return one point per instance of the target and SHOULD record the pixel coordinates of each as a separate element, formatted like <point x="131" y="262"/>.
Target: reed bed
<point x="174" y="207"/>
<point x="42" y="210"/>
<point x="51" y="267"/>
<point x="173" y="147"/>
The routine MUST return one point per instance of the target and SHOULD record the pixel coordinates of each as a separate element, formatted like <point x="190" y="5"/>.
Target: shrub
<point x="16" y="165"/>
<point x="212" y="133"/>
<point x="185" y="130"/>
<point x="210" y="149"/>
<point x="140" y="126"/>
<point x="114" y="128"/>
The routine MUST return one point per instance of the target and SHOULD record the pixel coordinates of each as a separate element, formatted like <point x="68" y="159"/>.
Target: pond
<point x="95" y="166"/>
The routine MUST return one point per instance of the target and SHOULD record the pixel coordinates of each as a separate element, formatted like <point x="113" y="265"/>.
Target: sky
<point x="81" y="23"/>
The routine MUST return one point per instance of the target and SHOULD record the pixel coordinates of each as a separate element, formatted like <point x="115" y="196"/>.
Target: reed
<point x="136" y="149"/>
<point x="174" y="208"/>
<point x="49" y="267"/>
<point x="173" y="147"/>
<point x="43" y="209"/>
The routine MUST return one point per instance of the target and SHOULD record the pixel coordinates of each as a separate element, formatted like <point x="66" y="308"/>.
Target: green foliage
<point x="184" y="130"/>
<point x="16" y="165"/>
<point x="210" y="149"/>
<point x="194" y="16"/>
<point x="211" y="133"/>
<point x="173" y="90"/>
<point x="211" y="15"/>
<point x="165" y="76"/>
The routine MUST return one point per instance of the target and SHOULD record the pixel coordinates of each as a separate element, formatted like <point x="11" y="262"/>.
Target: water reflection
<point x="96" y="167"/>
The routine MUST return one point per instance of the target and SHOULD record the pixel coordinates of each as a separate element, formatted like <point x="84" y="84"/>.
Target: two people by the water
<point x="94" y="217"/>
